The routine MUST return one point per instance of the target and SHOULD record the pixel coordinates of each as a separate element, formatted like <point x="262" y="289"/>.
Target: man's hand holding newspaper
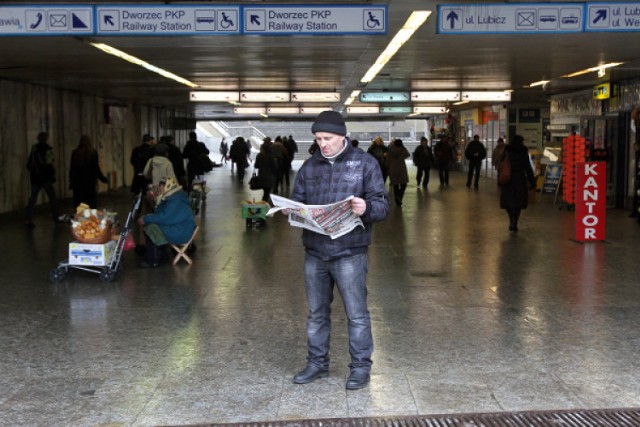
<point x="334" y="220"/>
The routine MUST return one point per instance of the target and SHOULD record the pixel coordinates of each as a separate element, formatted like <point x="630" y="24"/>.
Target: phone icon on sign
<point x="38" y="21"/>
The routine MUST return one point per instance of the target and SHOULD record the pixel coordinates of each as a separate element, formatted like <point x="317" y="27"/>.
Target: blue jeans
<point x="349" y="273"/>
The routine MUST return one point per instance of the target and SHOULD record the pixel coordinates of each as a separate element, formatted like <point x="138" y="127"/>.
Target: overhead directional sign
<point x="39" y="20"/>
<point x="167" y="20"/>
<point x="511" y="18"/>
<point x="385" y="97"/>
<point x="317" y="19"/>
<point x="395" y="110"/>
<point x="613" y="17"/>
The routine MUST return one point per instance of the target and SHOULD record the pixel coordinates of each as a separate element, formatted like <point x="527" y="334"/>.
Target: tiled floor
<point x="466" y="318"/>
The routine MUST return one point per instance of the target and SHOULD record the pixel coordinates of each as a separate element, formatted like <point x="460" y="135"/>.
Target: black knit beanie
<point x="329" y="121"/>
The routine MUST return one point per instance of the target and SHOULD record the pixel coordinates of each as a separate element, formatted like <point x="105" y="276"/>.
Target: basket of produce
<point x="92" y="225"/>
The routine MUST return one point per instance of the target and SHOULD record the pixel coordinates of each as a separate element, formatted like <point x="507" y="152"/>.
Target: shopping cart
<point x="113" y="267"/>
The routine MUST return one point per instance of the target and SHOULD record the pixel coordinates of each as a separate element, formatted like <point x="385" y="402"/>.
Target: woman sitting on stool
<point x="171" y="223"/>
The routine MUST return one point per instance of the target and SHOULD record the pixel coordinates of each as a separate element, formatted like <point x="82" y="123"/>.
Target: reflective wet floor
<point x="466" y="318"/>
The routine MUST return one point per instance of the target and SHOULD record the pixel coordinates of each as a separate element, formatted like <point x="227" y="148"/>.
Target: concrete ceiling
<point x="429" y="61"/>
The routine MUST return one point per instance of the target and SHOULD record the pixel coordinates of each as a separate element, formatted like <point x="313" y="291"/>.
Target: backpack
<point x="37" y="163"/>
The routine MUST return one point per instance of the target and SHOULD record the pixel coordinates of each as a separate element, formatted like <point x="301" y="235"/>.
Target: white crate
<point x="91" y="254"/>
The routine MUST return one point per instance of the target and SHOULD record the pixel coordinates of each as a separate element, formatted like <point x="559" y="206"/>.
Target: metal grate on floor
<point x="569" y="418"/>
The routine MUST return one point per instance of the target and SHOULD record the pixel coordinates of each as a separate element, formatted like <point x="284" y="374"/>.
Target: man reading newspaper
<point x="338" y="172"/>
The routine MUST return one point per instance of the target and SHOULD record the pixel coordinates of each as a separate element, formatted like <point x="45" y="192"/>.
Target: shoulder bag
<point x="504" y="171"/>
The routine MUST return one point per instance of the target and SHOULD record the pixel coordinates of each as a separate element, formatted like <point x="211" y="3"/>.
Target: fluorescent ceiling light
<point x="487" y="96"/>
<point x="137" y="61"/>
<point x="249" y="110"/>
<point x="594" y="69"/>
<point x="539" y="83"/>
<point x="461" y="103"/>
<point x="264" y="96"/>
<point x="283" y="110"/>
<point x="208" y="96"/>
<point x="372" y="72"/>
<point x="435" y="96"/>
<point x="313" y="110"/>
<point x="315" y="96"/>
<point x="363" y="110"/>
<point x="352" y="97"/>
<point x="414" y="22"/>
<point x="429" y="110"/>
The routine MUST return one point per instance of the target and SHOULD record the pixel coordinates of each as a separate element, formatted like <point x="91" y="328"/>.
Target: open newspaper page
<point x="334" y="220"/>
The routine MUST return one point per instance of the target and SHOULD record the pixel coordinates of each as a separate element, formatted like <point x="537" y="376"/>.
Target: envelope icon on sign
<point x="58" y="20"/>
<point x="526" y="19"/>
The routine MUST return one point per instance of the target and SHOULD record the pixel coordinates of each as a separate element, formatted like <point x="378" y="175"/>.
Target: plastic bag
<point x="129" y="242"/>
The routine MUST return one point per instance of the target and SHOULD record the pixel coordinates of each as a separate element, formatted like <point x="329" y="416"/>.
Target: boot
<point x="516" y="215"/>
<point x="513" y="221"/>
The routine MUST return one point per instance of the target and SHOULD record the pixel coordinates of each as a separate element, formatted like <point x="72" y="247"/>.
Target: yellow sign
<point x="602" y="91"/>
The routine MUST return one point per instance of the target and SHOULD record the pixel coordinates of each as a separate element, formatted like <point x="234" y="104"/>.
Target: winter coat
<point x="238" y="153"/>
<point x="496" y="155"/>
<point x="140" y="155"/>
<point x="379" y="152"/>
<point x="158" y="168"/>
<point x="84" y="172"/>
<point x="515" y="194"/>
<point x="266" y="165"/>
<point x="174" y="217"/>
<point x="475" y="152"/>
<point x="175" y="157"/>
<point x="422" y="157"/>
<point x="396" y="165"/>
<point x="353" y="173"/>
<point x="194" y="151"/>
<point x="443" y="152"/>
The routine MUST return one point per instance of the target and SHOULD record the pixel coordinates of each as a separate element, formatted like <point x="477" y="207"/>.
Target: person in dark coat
<point x="140" y="155"/>
<point x="175" y="156"/>
<point x="422" y="158"/>
<point x="267" y="170"/>
<point x="444" y="156"/>
<point x="42" y="175"/>
<point x="397" y="168"/>
<point x="475" y="153"/>
<point x="378" y="150"/>
<point x="239" y="154"/>
<point x="515" y="194"/>
<point x="194" y="150"/>
<point x="84" y="172"/>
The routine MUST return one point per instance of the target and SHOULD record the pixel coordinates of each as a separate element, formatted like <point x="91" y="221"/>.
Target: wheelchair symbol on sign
<point x="226" y="22"/>
<point x="372" y="21"/>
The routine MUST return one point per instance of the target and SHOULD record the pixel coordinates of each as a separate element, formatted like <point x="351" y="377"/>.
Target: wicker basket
<point x="98" y="239"/>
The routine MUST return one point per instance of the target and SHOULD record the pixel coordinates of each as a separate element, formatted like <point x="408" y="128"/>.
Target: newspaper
<point x="334" y="220"/>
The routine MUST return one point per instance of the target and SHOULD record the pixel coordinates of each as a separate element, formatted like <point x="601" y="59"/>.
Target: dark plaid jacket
<point x="354" y="173"/>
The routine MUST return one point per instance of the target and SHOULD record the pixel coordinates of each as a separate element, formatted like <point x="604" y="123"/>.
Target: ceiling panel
<point x="429" y="61"/>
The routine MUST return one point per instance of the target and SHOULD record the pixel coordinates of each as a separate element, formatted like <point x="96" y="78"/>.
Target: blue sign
<point x="40" y="20"/>
<point x="315" y="19"/>
<point x="385" y="97"/>
<point x="613" y="17"/>
<point x="163" y="20"/>
<point x="552" y="177"/>
<point x="521" y="18"/>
